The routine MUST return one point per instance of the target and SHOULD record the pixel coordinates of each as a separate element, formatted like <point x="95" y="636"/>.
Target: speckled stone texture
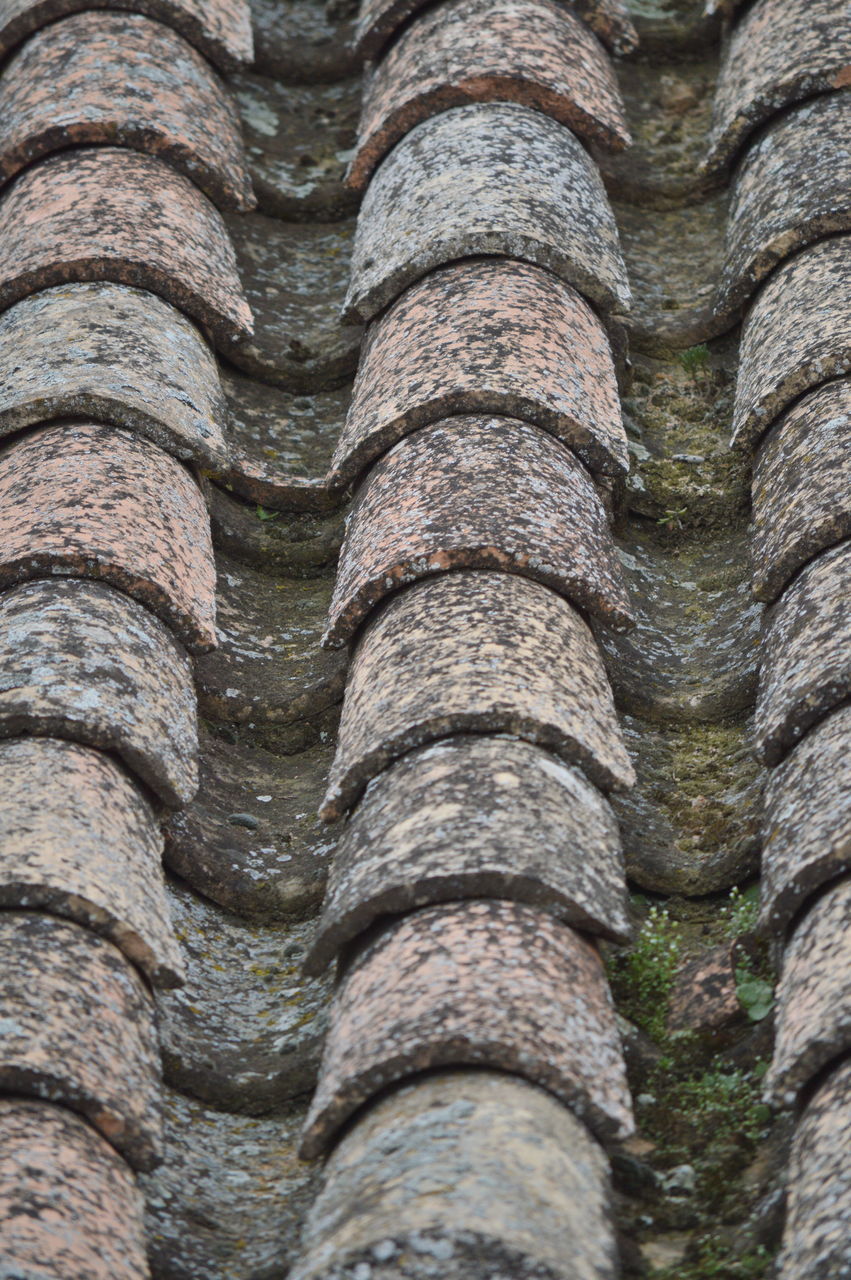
<point x="491" y="178"/>
<point x="69" y="1206"/>
<point x="93" y="501"/>
<point x="486" y="336"/>
<point x="221" y="29"/>
<point x="477" y="653"/>
<point x="807" y="821"/>
<point x="477" y="493"/>
<point x="529" y="51"/>
<point x="107" y="213"/>
<point x="796" y="336"/>
<point x="112" y="354"/>
<point x="80" y="840"/>
<point x="124" y="80"/>
<point x="77" y="1027"/>
<point x="78" y="660"/>
<point x="463" y="1174"/>
<point x="703" y="997"/>
<point x="781" y="52"/>
<point x="475" y="817"/>
<point x="806" y="660"/>
<point x="483" y="983"/>
<point x="813" y="1017"/>
<point x="801" y="487"/>
<point x="379" y="19"/>
<point x="817" y="1235"/>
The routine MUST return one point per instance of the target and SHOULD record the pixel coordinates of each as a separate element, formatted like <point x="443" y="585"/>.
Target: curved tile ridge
<point x="116" y="355"/>
<point x="475" y="652"/>
<point x="529" y="51"/>
<point x="486" y="336"/>
<point x="95" y="1224"/>
<point x="467" y="1138"/>
<point x="107" y="213"/>
<point x="476" y="493"/>
<point x="490" y="178"/>
<point x="221" y="29"/>
<point x="781" y="52"/>
<point x="484" y="983"/>
<point x="124" y="80"/>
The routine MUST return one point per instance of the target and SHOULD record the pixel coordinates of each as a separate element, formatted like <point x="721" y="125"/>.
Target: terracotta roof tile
<point x="490" y="178"/>
<point x="106" y="213"/>
<point x="807" y="821"/>
<point x="475" y="652"/>
<point x="781" y="52"/>
<point x="475" y="817"/>
<point x="529" y="51"/>
<point x="477" y="493"/>
<point x="69" y="1206"/>
<point x="801" y="487"/>
<point x="813" y="996"/>
<point x="123" y="80"/>
<point x="78" y="660"/>
<point x="294" y="543"/>
<point x="484" y="983"/>
<point x="437" y="1173"/>
<point x="80" y="840"/>
<point x="111" y="354"/>
<point x="486" y="336"/>
<point x="221" y="29"/>
<point x="78" y="1028"/>
<point x="806" y="663"/>
<point x="796" y="336"/>
<point x="91" y="501"/>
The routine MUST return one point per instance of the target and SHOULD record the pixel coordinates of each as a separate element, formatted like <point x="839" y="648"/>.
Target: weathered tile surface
<point x="477" y="493"/>
<point x="112" y="354"/>
<point x="219" y="28"/>
<point x="123" y="80"/>
<point x="94" y="501"/>
<point x="802" y="487"/>
<point x="813" y="996"/>
<point x="529" y="51"/>
<point x="475" y="817"/>
<point x="486" y="336"/>
<point x="780" y="52"/>
<point x="300" y="543"/>
<point x="302" y="42"/>
<point x="484" y="983"/>
<point x="69" y="1206"/>
<point x="78" y="1028"/>
<point x="703" y="997"/>
<point x="475" y="652"/>
<point x="490" y="178"/>
<point x="796" y="336"/>
<point x="78" y="660"/>
<point x="80" y="840"/>
<point x="807" y="821"/>
<point x="464" y="1173"/>
<point x="107" y="213"/>
<point x="806" y="658"/>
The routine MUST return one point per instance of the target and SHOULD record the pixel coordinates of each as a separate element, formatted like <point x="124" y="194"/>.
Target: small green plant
<point x="673" y="516"/>
<point x="695" y="360"/>
<point x="741" y="911"/>
<point x="756" y="995"/>
<point x="263" y="514"/>
<point x="714" y="1261"/>
<point x="644" y="975"/>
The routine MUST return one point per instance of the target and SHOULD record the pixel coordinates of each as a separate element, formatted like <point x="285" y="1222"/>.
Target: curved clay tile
<point x="486" y="336"/>
<point x="81" y="841"/>
<point x="491" y="178"/>
<point x="221" y="29"/>
<point x="110" y="214"/>
<point x="475" y="652"/>
<point x="122" y="80"/>
<point x="81" y="661"/>
<point x="112" y="354"/>
<point x="529" y="51"/>
<point x="485" y="983"/>
<point x="477" y="493"/>
<point x="781" y="52"/>
<point x="92" y="501"/>
<point x="475" y="817"/>
<point x="78" y="1028"/>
